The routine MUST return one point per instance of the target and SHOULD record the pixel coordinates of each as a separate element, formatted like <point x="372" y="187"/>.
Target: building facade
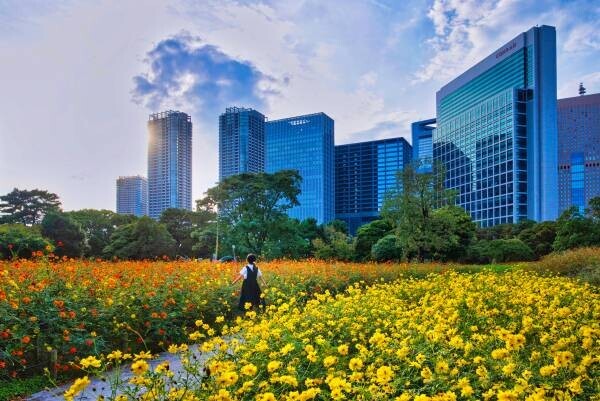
<point x="132" y="195"/>
<point x="578" y="150"/>
<point x="496" y="132"/>
<point x="241" y="142"/>
<point x="364" y="173"/>
<point x="305" y="143"/>
<point x="422" y="143"/>
<point x="169" y="162"/>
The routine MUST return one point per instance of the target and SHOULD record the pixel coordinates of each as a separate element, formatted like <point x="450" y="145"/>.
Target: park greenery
<point x="248" y="213"/>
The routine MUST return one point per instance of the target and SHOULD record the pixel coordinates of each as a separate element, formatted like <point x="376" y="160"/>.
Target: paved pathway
<point x="99" y="387"/>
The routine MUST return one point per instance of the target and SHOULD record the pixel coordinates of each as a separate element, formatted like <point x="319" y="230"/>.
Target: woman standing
<point x="250" y="289"/>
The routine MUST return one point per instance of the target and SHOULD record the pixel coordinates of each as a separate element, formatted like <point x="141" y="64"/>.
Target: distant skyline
<point x="79" y="78"/>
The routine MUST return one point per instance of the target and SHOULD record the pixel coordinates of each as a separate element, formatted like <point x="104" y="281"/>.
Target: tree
<point x="574" y="230"/>
<point x="386" y="248"/>
<point x="451" y="233"/>
<point x="539" y="237"/>
<point x="594" y="209"/>
<point x="367" y="235"/>
<point x="141" y="239"/>
<point x="66" y="233"/>
<point x="181" y="224"/>
<point x="20" y="241"/>
<point x="287" y="241"/>
<point x="98" y="226"/>
<point x="335" y="245"/>
<point x="250" y="205"/>
<point x="410" y="208"/>
<point x="27" y="207"/>
<point x="500" y="250"/>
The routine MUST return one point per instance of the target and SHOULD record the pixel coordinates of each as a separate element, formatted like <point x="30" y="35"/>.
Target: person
<point x="250" y="289"/>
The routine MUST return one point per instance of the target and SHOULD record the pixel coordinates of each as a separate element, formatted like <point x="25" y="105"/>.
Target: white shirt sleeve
<point x="259" y="273"/>
<point x="244" y="273"/>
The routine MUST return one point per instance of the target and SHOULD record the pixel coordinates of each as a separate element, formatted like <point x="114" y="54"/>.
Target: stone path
<point x="99" y="387"/>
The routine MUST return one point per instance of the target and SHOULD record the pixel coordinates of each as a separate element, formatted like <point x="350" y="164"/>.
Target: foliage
<point x="334" y="245"/>
<point x="204" y="242"/>
<point x="287" y="241"/>
<point x="539" y="237"/>
<point x="250" y="205"/>
<point x="581" y="262"/>
<point x="500" y="250"/>
<point x="441" y="338"/>
<point x="14" y="388"/>
<point x="386" y="249"/>
<point x="574" y="230"/>
<point x="27" y="207"/>
<point x="65" y="232"/>
<point x="142" y="239"/>
<point x="98" y="226"/>
<point x="504" y="231"/>
<point x="451" y="232"/>
<point x="181" y="224"/>
<point x="21" y="241"/>
<point x="410" y="209"/>
<point x="367" y="235"/>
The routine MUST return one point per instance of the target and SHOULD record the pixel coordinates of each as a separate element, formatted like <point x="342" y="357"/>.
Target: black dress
<point x="250" y="289"/>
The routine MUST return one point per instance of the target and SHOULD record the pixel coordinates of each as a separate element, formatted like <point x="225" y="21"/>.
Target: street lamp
<point x="233" y="247"/>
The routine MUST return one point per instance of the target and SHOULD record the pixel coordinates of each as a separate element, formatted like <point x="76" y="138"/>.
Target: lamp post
<point x="233" y="248"/>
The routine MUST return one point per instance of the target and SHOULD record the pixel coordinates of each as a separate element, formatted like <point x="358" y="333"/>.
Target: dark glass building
<point x="132" y="195"/>
<point x="305" y="143"/>
<point x="496" y="132"/>
<point x="422" y="143"/>
<point x="578" y="150"/>
<point x="169" y="162"/>
<point x="364" y="173"/>
<point x="241" y="142"/>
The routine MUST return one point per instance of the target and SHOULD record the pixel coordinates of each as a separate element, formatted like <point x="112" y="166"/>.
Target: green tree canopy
<point x="334" y="245"/>
<point x="182" y="223"/>
<point x="251" y="205"/>
<point x="386" y="248"/>
<point x="367" y="235"/>
<point x="65" y="232"/>
<point x="27" y="207"/>
<point x="98" y="226"/>
<point x="539" y="237"/>
<point x="574" y="230"/>
<point x="141" y="239"/>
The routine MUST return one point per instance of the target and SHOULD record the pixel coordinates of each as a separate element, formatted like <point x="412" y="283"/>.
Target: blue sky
<point x="79" y="78"/>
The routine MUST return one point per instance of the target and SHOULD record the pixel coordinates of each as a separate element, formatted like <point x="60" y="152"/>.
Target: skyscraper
<point x="497" y="133"/>
<point x="132" y="195"/>
<point x="422" y="143"/>
<point x="364" y="173"/>
<point x="578" y="150"/>
<point x="169" y="162"/>
<point x="305" y="143"/>
<point x="241" y="142"/>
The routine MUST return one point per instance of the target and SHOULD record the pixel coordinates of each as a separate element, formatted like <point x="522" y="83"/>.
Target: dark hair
<point x="251" y="258"/>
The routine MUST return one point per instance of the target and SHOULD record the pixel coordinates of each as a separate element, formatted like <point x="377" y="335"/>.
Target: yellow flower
<point x="266" y="397"/>
<point x="227" y="379"/>
<point x="90" y="361"/>
<point x="249" y="370"/>
<point x="384" y="374"/>
<point x="548" y="370"/>
<point x="342" y="349"/>
<point x="115" y="356"/>
<point x="273" y="366"/>
<point x="329" y="361"/>
<point x="355" y="364"/>
<point x="507" y="395"/>
<point x="139" y="367"/>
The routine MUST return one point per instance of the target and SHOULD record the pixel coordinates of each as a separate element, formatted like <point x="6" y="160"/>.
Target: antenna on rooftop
<point x="581" y="89"/>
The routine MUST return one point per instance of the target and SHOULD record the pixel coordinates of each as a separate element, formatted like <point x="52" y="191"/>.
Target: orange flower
<point x="26" y="340"/>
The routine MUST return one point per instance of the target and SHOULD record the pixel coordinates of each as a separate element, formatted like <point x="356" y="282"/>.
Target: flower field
<point x="78" y="308"/>
<point x="485" y="336"/>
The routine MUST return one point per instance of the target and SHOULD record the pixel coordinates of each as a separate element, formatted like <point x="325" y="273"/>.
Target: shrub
<point x="500" y="250"/>
<point x="387" y="248"/>
<point x="582" y="262"/>
<point x="66" y="234"/>
<point x="20" y="241"/>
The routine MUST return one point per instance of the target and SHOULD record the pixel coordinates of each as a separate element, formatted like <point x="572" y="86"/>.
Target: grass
<point x="17" y="389"/>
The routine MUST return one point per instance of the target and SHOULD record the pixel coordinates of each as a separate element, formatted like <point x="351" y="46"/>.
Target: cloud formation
<point x="187" y="74"/>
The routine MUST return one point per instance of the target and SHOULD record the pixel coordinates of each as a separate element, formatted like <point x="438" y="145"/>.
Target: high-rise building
<point x="364" y="173"/>
<point x="422" y="143"/>
<point x="578" y="150"/>
<point x="132" y="195"/>
<point x="241" y="142"/>
<point x="496" y="132"/>
<point x="169" y="162"/>
<point x="306" y="144"/>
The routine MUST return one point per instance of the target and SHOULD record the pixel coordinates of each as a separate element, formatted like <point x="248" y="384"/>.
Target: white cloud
<point x="583" y="37"/>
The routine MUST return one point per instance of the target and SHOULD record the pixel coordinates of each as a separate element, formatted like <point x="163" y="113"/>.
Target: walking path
<point x="100" y="387"/>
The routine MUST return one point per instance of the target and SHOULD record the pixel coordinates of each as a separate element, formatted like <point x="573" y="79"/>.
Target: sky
<point x="78" y="79"/>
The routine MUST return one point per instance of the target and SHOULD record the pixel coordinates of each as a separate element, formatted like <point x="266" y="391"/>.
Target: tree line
<point x="248" y="213"/>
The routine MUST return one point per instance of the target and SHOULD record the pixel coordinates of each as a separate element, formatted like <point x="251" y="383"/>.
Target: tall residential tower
<point x="305" y="143"/>
<point x="241" y="142"/>
<point x="132" y="195"/>
<point x="496" y="132"/>
<point x="169" y="162"/>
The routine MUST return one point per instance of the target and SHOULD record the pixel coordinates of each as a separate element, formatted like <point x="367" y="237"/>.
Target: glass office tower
<point x="305" y="143"/>
<point x="422" y="143"/>
<point x="132" y="195"/>
<point x="497" y="132"/>
<point x="364" y="173"/>
<point x="578" y="150"/>
<point x="169" y="162"/>
<point x="241" y="142"/>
